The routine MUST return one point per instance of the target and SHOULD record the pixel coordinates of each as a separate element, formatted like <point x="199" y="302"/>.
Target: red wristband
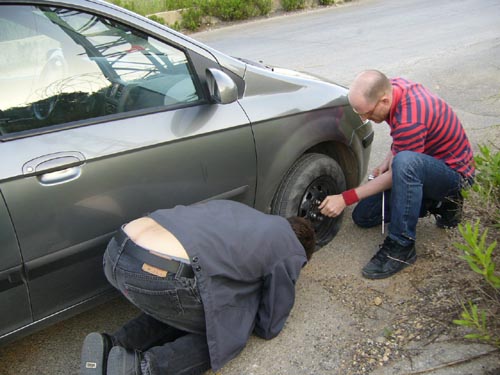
<point x="350" y="197"/>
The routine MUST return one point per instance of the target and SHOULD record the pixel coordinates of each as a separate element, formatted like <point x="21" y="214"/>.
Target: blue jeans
<point x="171" y="332"/>
<point x="418" y="182"/>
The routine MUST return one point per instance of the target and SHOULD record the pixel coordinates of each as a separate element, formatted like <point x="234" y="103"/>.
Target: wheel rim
<point x="315" y="193"/>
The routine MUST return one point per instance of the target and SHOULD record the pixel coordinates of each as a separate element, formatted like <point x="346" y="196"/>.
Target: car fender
<point x="321" y="119"/>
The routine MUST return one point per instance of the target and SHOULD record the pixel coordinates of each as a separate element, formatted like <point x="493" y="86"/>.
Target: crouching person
<point x="205" y="277"/>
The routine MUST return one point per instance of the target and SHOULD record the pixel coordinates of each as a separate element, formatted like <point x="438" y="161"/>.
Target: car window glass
<point x="60" y="65"/>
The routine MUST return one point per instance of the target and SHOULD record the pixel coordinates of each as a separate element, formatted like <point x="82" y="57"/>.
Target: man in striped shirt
<point x="429" y="163"/>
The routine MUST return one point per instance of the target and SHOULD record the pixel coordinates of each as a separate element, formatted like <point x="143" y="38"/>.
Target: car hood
<point x="295" y="73"/>
<point x="287" y="92"/>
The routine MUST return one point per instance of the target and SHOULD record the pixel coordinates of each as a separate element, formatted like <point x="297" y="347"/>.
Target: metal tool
<point x="383" y="211"/>
<point x="371" y="177"/>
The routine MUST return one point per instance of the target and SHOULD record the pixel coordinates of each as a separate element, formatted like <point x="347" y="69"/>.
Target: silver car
<point x="106" y="115"/>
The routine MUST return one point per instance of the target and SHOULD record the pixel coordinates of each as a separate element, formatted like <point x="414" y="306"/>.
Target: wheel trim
<point x="315" y="193"/>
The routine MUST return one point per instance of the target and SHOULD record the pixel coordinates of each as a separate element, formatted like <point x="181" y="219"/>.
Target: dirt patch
<point x="400" y="317"/>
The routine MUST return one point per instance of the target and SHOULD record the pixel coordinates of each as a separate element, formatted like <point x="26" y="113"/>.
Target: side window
<point x="60" y="65"/>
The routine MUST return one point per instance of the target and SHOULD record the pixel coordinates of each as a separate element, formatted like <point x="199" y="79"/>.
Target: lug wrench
<point x="371" y="177"/>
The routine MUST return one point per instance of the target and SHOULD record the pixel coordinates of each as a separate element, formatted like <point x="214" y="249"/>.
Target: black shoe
<point x="448" y="213"/>
<point x="94" y="358"/>
<point x="124" y="362"/>
<point x="391" y="258"/>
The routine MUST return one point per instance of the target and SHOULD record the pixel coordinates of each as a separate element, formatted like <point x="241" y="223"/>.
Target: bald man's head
<point x="368" y="89"/>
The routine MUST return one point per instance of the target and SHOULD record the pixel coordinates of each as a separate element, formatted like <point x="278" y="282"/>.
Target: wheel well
<point x="342" y="155"/>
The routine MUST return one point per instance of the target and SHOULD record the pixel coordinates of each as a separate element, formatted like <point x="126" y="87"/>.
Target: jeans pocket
<point x="153" y="299"/>
<point x="192" y="291"/>
<point x="195" y="293"/>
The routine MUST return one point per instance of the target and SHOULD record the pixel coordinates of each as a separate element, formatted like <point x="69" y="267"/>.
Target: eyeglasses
<point x="369" y="113"/>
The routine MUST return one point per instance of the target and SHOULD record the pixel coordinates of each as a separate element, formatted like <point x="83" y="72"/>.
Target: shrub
<point x="484" y="201"/>
<point x="327" y="2"/>
<point x="146" y="7"/>
<point x="289" y="5"/>
<point x="487" y="184"/>
<point x="230" y="10"/>
<point x="192" y="18"/>
<point x="176" y="26"/>
<point x="156" y="19"/>
<point x="193" y="11"/>
<point x="141" y="7"/>
<point x="478" y="254"/>
<point x="177" y="4"/>
<point x="264" y="6"/>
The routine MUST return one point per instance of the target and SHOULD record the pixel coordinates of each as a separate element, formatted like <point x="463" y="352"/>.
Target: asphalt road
<point x="451" y="46"/>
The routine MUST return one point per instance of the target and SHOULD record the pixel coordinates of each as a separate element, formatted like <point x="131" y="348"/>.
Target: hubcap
<point x="315" y="193"/>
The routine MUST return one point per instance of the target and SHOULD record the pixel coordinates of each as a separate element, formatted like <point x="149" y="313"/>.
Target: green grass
<point x="146" y="7"/>
<point x="479" y="249"/>
<point x="193" y="12"/>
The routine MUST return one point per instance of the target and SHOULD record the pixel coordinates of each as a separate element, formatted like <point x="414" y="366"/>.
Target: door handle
<point x="11" y="278"/>
<point x="57" y="168"/>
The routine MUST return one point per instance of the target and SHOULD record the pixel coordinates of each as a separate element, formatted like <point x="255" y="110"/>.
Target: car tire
<point x="310" y="179"/>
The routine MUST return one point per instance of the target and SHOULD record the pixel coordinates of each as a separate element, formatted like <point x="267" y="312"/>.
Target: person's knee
<point x="402" y="160"/>
<point x="407" y="167"/>
<point x="361" y="221"/>
<point x="363" y="218"/>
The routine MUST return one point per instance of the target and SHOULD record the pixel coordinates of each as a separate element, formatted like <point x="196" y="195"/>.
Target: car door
<point x="101" y="123"/>
<point x="14" y="309"/>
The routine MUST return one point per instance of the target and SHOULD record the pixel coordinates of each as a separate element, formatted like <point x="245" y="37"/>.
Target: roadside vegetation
<point x="479" y="243"/>
<point x="197" y="13"/>
<point x="146" y="7"/>
<point x="225" y="10"/>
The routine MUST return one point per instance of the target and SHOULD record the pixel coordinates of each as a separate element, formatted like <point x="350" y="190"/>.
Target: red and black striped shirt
<point x="422" y="122"/>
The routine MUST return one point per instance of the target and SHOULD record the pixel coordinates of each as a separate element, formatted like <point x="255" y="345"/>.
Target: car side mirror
<point x="221" y="87"/>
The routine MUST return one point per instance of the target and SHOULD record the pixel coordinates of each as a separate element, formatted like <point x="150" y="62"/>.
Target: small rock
<point x="377" y="301"/>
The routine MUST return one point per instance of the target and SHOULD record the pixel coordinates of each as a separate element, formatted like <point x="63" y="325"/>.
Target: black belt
<point x="143" y="255"/>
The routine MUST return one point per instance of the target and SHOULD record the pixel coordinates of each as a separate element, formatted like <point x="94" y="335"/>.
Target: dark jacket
<point x="246" y="264"/>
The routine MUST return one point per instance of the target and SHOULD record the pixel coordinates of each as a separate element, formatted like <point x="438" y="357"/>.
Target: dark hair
<point x="304" y="231"/>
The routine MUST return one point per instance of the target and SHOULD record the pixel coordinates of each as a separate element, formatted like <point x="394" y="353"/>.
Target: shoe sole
<point x="115" y="361"/>
<point x="441" y="225"/>
<point x="120" y="362"/>
<point x="376" y="276"/>
<point x="93" y="358"/>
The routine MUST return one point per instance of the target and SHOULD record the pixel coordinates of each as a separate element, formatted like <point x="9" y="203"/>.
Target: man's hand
<point x="332" y="205"/>
<point x="384" y="166"/>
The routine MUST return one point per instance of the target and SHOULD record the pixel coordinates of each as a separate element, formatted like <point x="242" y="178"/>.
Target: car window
<point x="60" y="65"/>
